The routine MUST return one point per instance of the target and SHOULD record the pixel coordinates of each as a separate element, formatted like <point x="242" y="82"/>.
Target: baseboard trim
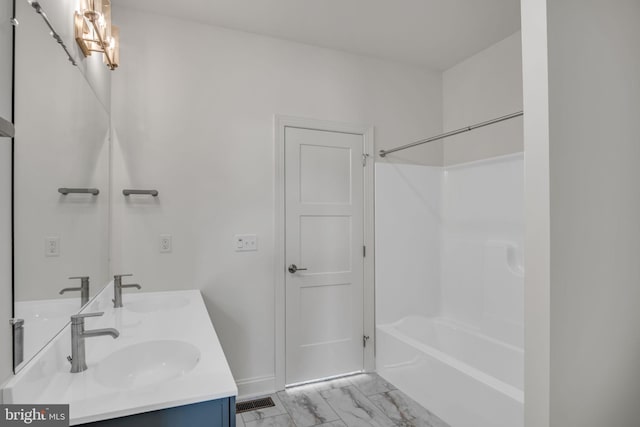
<point x="249" y="388"/>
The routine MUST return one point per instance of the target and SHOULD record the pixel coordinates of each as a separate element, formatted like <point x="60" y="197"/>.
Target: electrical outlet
<point x="165" y="243"/>
<point x="246" y="242"/>
<point x="52" y="246"/>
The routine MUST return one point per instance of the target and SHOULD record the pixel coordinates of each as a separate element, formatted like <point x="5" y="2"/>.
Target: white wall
<point x="408" y="241"/>
<point x="482" y="246"/>
<point x="537" y="231"/>
<point x="594" y="106"/>
<point x="582" y="148"/>
<point x="482" y="87"/>
<point x="6" y="51"/>
<point x="193" y="110"/>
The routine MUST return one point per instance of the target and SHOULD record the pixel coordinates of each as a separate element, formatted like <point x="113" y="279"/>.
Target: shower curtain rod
<point x="452" y="133"/>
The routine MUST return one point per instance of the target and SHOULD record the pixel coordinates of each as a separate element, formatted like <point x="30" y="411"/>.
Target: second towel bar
<point x="153" y="193"/>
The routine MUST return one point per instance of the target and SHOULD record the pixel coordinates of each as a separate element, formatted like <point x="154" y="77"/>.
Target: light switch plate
<point x="246" y="242"/>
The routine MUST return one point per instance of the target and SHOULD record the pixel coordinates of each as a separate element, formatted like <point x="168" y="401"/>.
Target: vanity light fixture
<point x="94" y="32"/>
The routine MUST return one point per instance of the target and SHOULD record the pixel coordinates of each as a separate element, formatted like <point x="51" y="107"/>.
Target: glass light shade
<point x="106" y="13"/>
<point x="113" y="49"/>
<point x="92" y="9"/>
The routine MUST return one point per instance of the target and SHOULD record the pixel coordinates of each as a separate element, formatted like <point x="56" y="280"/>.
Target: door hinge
<point x="364" y="159"/>
<point x="365" y="338"/>
<point x="364" y="251"/>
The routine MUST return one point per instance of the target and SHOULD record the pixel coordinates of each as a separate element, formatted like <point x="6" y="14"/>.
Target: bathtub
<point x="466" y="378"/>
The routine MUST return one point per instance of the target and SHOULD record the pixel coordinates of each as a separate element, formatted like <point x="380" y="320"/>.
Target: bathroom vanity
<point x="165" y="368"/>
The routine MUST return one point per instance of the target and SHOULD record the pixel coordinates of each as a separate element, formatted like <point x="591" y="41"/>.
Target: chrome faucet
<point x="117" y="289"/>
<point x="78" y="334"/>
<point x="84" y="289"/>
<point x="18" y="340"/>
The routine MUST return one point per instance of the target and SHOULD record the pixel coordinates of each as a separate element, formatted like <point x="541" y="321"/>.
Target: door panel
<point x="335" y="187"/>
<point x="318" y="232"/>
<point x="324" y="235"/>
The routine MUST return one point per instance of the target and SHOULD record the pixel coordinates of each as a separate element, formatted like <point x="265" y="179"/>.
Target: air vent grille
<point x="252" y="405"/>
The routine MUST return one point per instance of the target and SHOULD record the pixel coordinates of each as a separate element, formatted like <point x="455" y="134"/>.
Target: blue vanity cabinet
<point x="212" y="413"/>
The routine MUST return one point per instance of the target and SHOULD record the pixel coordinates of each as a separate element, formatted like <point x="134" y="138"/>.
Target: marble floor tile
<point x="404" y="411"/>
<point x="370" y="384"/>
<point x="362" y="400"/>
<point x="279" y="409"/>
<point x="277" y="421"/>
<point x="354" y="408"/>
<point x="333" y="424"/>
<point x="306" y="407"/>
<point x="331" y="384"/>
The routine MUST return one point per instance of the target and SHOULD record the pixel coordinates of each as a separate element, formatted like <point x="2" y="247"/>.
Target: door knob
<point x="293" y="268"/>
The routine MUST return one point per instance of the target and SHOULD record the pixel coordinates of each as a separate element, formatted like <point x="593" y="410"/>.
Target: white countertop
<point x="46" y="379"/>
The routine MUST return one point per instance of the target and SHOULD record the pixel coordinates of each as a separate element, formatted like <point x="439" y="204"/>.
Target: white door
<point x="324" y="241"/>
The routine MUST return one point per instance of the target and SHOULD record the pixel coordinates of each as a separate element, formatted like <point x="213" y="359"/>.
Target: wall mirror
<point x="61" y="185"/>
<point x="6" y="49"/>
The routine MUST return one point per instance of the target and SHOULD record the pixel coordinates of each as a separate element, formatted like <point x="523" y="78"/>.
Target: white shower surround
<point x="449" y="259"/>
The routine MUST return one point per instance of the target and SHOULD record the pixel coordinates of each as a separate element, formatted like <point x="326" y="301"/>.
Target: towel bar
<point x="153" y="193"/>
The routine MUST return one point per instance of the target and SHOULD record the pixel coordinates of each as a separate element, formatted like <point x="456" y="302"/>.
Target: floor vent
<point x="252" y="405"/>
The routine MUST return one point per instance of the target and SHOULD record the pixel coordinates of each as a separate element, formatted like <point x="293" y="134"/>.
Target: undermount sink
<point x="147" y="363"/>
<point x="155" y="304"/>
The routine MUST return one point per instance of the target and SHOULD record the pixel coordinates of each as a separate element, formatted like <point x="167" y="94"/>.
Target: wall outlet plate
<point x="246" y="242"/>
<point x="52" y="246"/>
<point x="165" y="243"/>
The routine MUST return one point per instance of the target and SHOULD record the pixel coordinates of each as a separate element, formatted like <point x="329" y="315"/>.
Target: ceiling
<point x="432" y="33"/>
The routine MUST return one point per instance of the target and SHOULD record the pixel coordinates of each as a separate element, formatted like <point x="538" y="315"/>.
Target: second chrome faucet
<point x="84" y="289"/>
<point x="118" y="286"/>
